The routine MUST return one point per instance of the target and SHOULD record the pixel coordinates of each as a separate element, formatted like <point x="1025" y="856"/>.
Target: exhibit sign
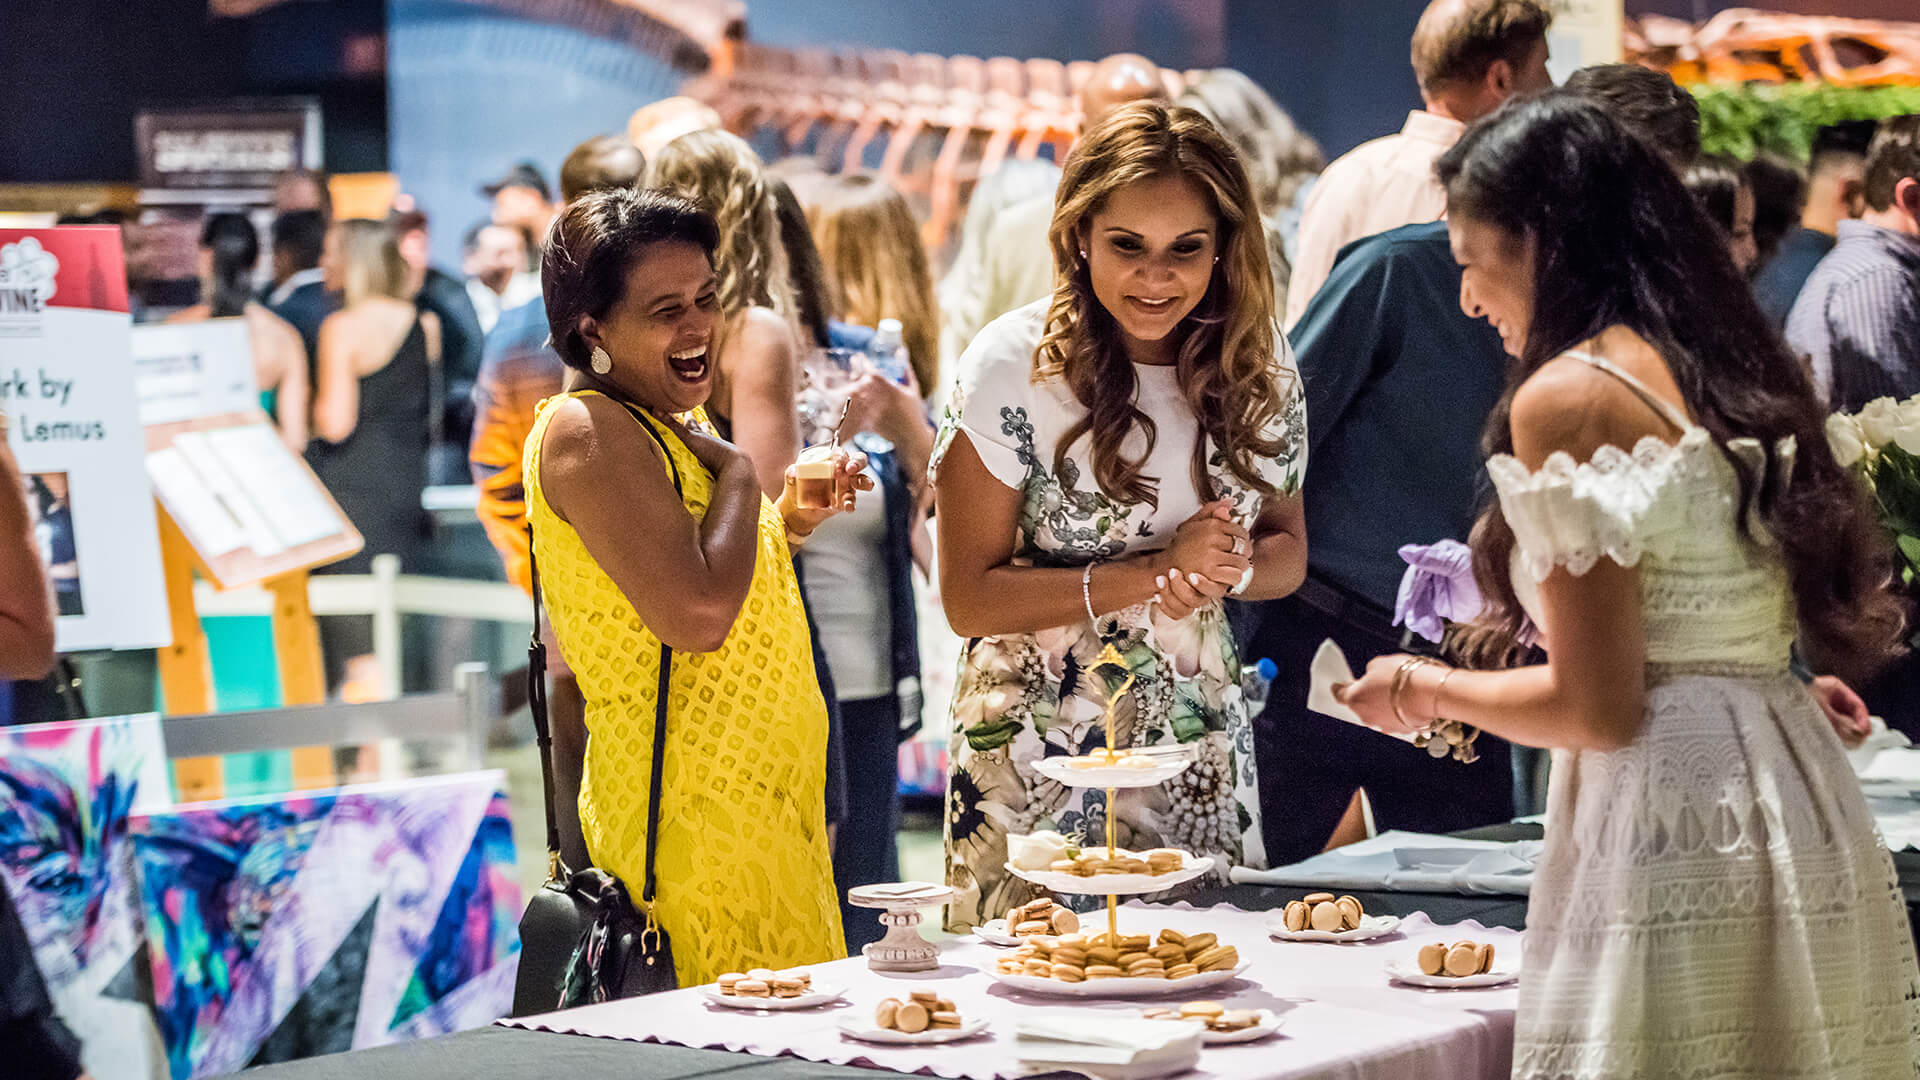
<point x="67" y="384"/>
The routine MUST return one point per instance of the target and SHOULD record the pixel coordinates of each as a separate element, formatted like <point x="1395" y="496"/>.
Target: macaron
<point x="1172" y="937"/>
<point x="883" y="1016"/>
<point x="1199" y="942"/>
<point x="912" y="1018"/>
<point x="1486" y="959"/>
<point x="925" y="997"/>
<point x="946" y="1018"/>
<point x="1202" y="1010"/>
<point x="754" y="988"/>
<point x="1463" y="959"/>
<point x="1326" y="916"/>
<point x="1433" y="958"/>
<point x="729" y="981"/>
<point x="1063" y="921"/>
<point x="1296" y="915"/>
<point x="1316" y="898"/>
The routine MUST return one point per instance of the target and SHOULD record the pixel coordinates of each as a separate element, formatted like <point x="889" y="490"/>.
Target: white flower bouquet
<point x="1881" y="443"/>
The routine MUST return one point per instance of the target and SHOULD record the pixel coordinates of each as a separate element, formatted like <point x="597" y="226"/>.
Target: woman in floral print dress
<point x="1114" y="461"/>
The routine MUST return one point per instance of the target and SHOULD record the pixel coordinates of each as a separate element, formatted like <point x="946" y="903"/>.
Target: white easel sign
<point x="67" y="383"/>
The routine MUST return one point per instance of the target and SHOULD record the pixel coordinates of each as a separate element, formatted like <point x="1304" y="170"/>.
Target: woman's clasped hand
<point x="1209" y="558"/>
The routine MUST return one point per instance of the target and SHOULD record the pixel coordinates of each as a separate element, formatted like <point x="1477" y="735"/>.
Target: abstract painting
<point x="325" y="921"/>
<point x="67" y="794"/>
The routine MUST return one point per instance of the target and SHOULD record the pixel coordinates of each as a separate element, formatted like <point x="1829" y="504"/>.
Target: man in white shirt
<point x="1470" y="57"/>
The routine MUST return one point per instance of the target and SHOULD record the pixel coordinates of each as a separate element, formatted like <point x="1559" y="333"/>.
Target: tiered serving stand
<point x="1113" y="778"/>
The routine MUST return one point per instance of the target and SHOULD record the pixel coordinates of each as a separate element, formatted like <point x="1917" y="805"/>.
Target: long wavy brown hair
<point x="1226" y="361"/>
<point x="1618" y="242"/>
<point x="877" y="264"/>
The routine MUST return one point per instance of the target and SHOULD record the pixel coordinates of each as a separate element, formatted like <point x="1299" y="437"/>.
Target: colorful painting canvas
<point x="326" y="921"/>
<point x="67" y="795"/>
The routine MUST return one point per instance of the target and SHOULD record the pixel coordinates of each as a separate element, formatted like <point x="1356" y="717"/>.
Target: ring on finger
<point x="1239" y="546"/>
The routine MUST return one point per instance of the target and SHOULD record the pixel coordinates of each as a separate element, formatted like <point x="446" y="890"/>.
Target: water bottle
<point x="1255" y="680"/>
<point x="888" y="351"/>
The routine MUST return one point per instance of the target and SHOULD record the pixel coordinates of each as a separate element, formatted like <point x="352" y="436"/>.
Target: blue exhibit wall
<point x="471" y="91"/>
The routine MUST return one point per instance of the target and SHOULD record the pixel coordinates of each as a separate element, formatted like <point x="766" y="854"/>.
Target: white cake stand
<point x="903" y="949"/>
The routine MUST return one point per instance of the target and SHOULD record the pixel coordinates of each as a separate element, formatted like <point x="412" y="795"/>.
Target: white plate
<point x="1371" y="926"/>
<point x="822" y="993"/>
<point x="1116" y="988"/>
<point x="1407" y="971"/>
<point x="994" y="932"/>
<point x="855" y="1027"/>
<point x="1056" y="768"/>
<point x="1114" y="884"/>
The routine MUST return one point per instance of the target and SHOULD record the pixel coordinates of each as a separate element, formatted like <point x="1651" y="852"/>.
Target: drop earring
<point x="601" y="361"/>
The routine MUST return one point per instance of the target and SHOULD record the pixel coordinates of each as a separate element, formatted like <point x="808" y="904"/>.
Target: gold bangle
<point x="1439" y="687"/>
<point x="1400" y="677"/>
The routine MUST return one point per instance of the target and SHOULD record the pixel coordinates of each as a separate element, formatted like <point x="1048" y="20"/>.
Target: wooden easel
<point x="186" y="670"/>
<point x="186" y="667"/>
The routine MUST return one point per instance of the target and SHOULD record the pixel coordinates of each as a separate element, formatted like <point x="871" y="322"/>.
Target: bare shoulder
<point x="589" y="431"/>
<point x="1572" y="407"/>
<point x="263" y="323"/>
<point x="763" y="330"/>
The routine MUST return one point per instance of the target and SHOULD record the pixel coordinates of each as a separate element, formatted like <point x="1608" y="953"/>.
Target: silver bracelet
<point x="1086" y="590"/>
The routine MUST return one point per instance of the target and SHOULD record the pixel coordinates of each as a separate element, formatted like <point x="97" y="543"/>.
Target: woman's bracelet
<point x="1086" y="590"/>
<point x="1400" y="677"/>
<point x="795" y="540"/>
<point x="1439" y="688"/>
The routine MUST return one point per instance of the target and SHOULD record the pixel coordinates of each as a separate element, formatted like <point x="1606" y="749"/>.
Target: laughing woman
<point x="627" y="563"/>
<point x="1115" y="460"/>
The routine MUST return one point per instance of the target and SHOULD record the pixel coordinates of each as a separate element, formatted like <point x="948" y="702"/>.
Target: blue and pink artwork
<point x="328" y="921"/>
<point x="67" y="794"/>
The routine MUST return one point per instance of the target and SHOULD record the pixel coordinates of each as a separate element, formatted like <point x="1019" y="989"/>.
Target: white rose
<point x="1878" y="420"/>
<point x="1907" y="437"/>
<point x="1848" y="441"/>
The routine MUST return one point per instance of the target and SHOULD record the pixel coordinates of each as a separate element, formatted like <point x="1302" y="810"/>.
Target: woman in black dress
<point x="372" y="412"/>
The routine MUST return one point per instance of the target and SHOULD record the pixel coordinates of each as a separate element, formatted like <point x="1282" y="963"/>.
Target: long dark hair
<point x="236" y="248"/>
<point x="1618" y="242"/>
<point x="813" y="300"/>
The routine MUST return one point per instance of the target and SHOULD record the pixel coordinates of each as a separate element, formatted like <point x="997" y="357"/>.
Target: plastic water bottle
<point x="1255" y="681"/>
<point x="888" y="350"/>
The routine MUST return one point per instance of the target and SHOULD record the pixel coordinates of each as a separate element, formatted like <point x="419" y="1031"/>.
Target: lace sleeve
<point x="1615" y="506"/>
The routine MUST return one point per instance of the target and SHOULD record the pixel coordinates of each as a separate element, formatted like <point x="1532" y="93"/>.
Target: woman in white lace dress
<point x="1713" y="900"/>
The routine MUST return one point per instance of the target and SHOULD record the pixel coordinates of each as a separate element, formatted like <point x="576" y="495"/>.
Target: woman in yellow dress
<point x="626" y="563"/>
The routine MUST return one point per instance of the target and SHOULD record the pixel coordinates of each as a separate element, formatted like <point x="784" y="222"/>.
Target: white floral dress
<point x="1713" y="899"/>
<point x="1019" y="697"/>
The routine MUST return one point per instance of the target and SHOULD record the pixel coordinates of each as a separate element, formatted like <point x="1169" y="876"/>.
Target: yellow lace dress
<point x="744" y="878"/>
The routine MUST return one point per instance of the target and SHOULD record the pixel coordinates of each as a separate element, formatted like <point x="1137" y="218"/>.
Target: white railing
<point x="386" y="594"/>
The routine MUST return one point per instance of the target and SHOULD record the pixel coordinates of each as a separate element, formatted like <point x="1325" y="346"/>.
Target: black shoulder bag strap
<point x="537" y="699"/>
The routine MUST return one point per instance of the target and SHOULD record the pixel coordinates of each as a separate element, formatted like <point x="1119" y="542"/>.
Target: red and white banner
<point x="67" y="383"/>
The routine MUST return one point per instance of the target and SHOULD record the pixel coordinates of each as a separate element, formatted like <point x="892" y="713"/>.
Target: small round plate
<point x="1114" y="884"/>
<point x="1405" y="970"/>
<point x="1371" y="926"/>
<point x="994" y="932"/>
<point x="822" y="994"/>
<point x="862" y="1028"/>
<point x="1111" y="776"/>
<point x="1116" y="988"/>
<point x="1269" y="1023"/>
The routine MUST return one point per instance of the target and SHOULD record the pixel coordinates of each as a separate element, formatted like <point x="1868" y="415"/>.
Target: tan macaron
<point x="1433" y="958"/>
<point x="1463" y="959"/>
<point x="1327" y="917"/>
<point x="912" y="1018"/>
<point x="1296" y="916"/>
<point x="883" y="1016"/>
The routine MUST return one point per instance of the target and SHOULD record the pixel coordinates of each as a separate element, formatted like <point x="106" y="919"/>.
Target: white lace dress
<point x="1713" y="900"/>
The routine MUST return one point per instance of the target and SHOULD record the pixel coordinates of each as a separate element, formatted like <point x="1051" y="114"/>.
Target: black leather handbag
<point x="581" y="939"/>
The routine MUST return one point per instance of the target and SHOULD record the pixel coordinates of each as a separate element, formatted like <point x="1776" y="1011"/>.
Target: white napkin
<point x="1865" y="757"/>
<point x="1112" y="1048"/>
<point x="1330" y="669"/>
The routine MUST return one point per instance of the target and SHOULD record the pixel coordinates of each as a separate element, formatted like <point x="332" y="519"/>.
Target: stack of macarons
<point x="923" y="1010"/>
<point x="762" y="983"/>
<point x="1458" y="960"/>
<point x="1041" y="916"/>
<point x="1083" y="958"/>
<point x="1321" y="911"/>
<point x="1216" y="1016"/>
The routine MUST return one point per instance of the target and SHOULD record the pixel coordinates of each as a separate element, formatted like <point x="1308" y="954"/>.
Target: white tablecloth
<point x="1343" y="1018"/>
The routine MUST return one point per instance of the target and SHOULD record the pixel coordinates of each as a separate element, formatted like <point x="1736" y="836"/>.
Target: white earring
<point x="602" y="363"/>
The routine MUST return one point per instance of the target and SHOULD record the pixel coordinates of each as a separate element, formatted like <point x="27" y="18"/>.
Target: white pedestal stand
<point x="903" y="949"/>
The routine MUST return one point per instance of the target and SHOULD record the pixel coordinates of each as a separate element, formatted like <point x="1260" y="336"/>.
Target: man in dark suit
<point x="298" y="294"/>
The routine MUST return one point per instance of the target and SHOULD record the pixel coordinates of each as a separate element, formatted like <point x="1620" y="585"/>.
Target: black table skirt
<point x="512" y="1054"/>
